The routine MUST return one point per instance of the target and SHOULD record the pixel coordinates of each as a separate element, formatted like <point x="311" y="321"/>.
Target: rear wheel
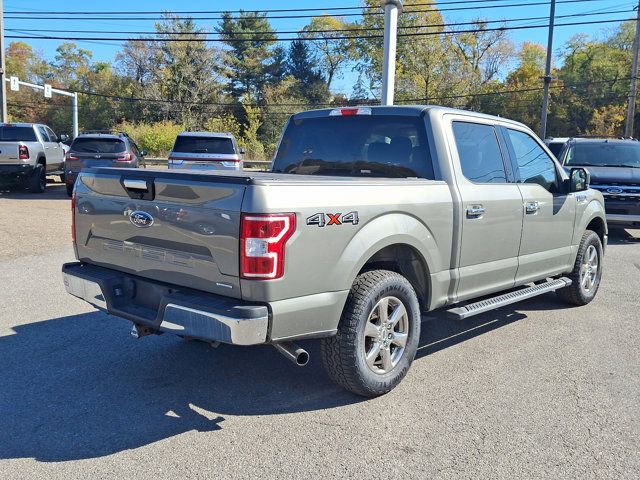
<point x="37" y="182"/>
<point x="586" y="273"/>
<point x="378" y="335"/>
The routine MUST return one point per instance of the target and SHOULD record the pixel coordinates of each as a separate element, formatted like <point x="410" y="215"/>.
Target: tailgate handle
<point x="132" y="184"/>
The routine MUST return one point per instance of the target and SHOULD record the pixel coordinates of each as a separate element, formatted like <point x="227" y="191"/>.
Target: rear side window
<point x="534" y="164"/>
<point x="44" y="134"/>
<point x="10" y="133"/>
<point x="198" y="144"/>
<point x="98" y="145"/>
<point x="356" y="146"/>
<point x="479" y="152"/>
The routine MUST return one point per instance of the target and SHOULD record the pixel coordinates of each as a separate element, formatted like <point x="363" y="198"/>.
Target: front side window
<point x="479" y="152"/>
<point x="44" y="134"/>
<point x="356" y="146"/>
<point x="534" y="164"/>
<point x="52" y="136"/>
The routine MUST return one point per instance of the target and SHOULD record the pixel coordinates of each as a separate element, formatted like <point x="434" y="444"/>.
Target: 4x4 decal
<point x="322" y="219"/>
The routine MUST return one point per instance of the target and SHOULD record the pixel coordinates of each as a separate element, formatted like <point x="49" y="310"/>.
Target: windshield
<point x="198" y="144"/>
<point x="98" y="145"/>
<point x="604" y="154"/>
<point x="9" y="133"/>
<point x="358" y="145"/>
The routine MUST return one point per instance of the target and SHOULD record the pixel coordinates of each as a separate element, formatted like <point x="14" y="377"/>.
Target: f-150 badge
<point x="328" y="219"/>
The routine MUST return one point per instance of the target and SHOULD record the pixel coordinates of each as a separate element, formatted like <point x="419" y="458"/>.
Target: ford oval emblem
<point x="141" y="219"/>
<point x="614" y="190"/>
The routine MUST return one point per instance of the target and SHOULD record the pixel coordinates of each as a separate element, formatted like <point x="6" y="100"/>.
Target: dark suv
<point x="100" y="150"/>
<point x="614" y="165"/>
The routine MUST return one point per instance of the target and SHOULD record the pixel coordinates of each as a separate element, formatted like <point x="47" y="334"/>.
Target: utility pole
<point x="547" y="72"/>
<point x="3" y="90"/>
<point x="631" y="107"/>
<point x="391" y="10"/>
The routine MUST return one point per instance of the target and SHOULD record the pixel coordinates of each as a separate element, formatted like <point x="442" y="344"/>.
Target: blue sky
<point x="106" y="51"/>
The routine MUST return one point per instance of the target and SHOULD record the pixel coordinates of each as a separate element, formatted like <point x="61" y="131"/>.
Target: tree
<point x="310" y="84"/>
<point x="331" y="49"/>
<point x="248" y="60"/>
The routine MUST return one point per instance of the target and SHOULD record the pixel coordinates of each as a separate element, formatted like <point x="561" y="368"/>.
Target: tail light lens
<point x="262" y="244"/>
<point x="23" y="152"/>
<point x="73" y="217"/>
<point x="124" y="157"/>
<point x="71" y="157"/>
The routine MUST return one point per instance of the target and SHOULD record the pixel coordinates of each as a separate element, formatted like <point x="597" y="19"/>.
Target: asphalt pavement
<point x="537" y="390"/>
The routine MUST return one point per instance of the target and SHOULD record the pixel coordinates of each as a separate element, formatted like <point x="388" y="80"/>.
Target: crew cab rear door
<point x="491" y="208"/>
<point x="549" y="211"/>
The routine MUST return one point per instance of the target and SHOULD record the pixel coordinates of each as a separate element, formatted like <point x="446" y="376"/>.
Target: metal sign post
<point x="391" y="10"/>
<point x="48" y="91"/>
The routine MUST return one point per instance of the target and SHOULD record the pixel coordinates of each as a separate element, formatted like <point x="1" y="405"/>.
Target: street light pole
<point x="391" y="10"/>
<point x="631" y="107"/>
<point x="3" y="90"/>
<point x="547" y="72"/>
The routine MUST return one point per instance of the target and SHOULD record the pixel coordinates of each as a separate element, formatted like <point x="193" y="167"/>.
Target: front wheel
<point x="378" y="334"/>
<point x="586" y="273"/>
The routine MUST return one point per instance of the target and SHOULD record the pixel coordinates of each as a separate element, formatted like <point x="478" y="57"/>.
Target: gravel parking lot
<point x="534" y="391"/>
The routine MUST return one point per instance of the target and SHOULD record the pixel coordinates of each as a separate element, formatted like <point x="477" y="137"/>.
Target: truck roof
<point x="408" y="110"/>
<point x="21" y="124"/>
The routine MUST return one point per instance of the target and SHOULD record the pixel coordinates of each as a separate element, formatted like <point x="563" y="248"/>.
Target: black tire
<point x="577" y="293"/>
<point x="37" y="181"/>
<point x="69" y="190"/>
<point x="344" y="354"/>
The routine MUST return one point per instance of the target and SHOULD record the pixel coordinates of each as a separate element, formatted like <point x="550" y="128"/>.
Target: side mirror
<point x="143" y="153"/>
<point x="579" y="179"/>
<point x="63" y="138"/>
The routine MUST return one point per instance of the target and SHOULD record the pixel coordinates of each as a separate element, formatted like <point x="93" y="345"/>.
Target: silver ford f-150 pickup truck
<point x="369" y="218"/>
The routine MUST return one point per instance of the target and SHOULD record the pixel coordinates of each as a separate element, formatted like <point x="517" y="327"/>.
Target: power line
<point x="450" y="9"/>
<point x="291" y="39"/>
<point x="272" y="10"/>
<point x="338" y="30"/>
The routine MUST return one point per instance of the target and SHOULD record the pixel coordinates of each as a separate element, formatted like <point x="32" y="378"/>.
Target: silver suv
<point x="29" y="152"/>
<point x="206" y="151"/>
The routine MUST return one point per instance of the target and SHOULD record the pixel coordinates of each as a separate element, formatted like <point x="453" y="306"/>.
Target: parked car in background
<point x="370" y="217"/>
<point x="206" y="151"/>
<point x="29" y="152"/>
<point x="614" y="165"/>
<point x="99" y="149"/>
<point x="555" y="144"/>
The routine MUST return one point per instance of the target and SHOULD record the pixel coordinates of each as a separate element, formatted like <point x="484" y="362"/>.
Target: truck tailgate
<point x="173" y="227"/>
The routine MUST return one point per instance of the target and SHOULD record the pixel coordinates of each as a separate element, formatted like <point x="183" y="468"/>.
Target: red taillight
<point x="71" y="157"/>
<point x="73" y="217"/>
<point x="125" y="157"/>
<point x="23" y="152"/>
<point x="262" y="242"/>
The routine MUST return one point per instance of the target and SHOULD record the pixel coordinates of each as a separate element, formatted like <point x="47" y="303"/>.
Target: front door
<point x="491" y="222"/>
<point x="549" y="212"/>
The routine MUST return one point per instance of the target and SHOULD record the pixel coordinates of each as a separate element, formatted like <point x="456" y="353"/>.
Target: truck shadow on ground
<point x="621" y="236"/>
<point x="80" y="387"/>
<point x="54" y="191"/>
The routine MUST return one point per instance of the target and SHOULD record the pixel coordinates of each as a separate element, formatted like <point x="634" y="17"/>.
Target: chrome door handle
<point x="475" y="211"/>
<point x="531" y="207"/>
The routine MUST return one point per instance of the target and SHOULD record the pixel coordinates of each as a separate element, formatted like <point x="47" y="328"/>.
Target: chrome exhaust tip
<point x="293" y="353"/>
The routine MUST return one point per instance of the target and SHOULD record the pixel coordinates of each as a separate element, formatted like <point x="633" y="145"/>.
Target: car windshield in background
<point x="604" y="154"/>
<point x="358" y="145"/>
<point x="9" y="133"/>
<point x="98" y="145"/>
<point x="198" y="144"/>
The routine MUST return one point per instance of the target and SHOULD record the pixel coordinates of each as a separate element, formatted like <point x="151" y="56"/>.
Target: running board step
<point x="482" y="306"/>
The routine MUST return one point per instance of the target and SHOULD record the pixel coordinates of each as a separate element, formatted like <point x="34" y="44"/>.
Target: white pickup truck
<point x="29" y="152"/>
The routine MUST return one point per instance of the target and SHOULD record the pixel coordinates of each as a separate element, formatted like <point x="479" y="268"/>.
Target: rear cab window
<point x="479" y="152"/>
<point x="98" y="145"/>
<point x="11" y="133"/>
<point x="391" y="146"/>
<point x="204" y="144"/>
